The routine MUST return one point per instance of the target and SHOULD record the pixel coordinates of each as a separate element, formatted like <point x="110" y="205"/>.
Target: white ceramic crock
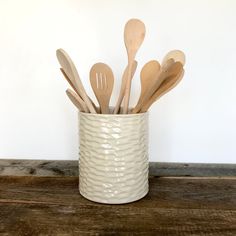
<point x="113" y="163"/>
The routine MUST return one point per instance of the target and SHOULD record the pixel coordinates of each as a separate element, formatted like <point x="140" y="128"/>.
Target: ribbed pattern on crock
<point x="113" y="157"/>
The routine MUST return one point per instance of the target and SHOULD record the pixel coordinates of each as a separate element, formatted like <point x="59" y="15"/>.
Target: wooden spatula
<point x="70" y="69"/>
<point x="77" y="101"/>
<point x="173" y="70"/>
<point x="134" y="34"/>
<point x="102" y="81"/>
<point x="165" y="87"/>
<point x="75" y="89"/>
<point x="69" y="80"/>
<point x="148" y="77"/>
<point x="123" y="84"/>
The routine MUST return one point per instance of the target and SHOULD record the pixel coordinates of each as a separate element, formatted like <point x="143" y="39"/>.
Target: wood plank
<point x="53" y="206"/>
<point x="191" y="169"/>
<point x="70" y="168"/>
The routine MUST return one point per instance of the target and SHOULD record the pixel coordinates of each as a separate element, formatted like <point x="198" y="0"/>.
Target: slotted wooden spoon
<point x="164" y="88"/>
<point x="134" y="34"/>
<point x="70" y="70"/>
<point x="102" y="81"/>
<point x="123" y="84"/>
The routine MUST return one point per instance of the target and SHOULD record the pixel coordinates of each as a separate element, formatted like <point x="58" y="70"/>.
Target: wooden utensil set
<point x="156" y="79"/>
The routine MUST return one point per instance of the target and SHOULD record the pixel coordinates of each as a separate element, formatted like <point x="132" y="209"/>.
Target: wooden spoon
<point x="77" y="101"/>
<point x="123" y="84"/>
<point x="102" y="81"/>
<point x="176" y="55"/>
<point x="70" y="69"/>
<point x="134" y="34"/>
<point x="173" y="70"/>
<point x="148" y="77"/>
<point x="167" y="64"/>
<point x="165" y="87"/>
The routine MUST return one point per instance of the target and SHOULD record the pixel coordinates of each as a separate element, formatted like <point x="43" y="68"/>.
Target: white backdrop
<point x="193" y="123"/>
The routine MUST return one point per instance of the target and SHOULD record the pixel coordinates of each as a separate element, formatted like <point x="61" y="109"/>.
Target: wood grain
<point x="17" y="167"/>
<point x="178" y="207"/>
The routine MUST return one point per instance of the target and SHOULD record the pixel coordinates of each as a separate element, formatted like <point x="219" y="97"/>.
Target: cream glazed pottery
<point x="113" y="162"/>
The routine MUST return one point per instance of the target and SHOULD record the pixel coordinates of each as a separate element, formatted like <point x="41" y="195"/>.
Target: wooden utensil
<point x="167" y="64"/>
<point x="77" y="101"/>
<point x="165" y="87"/>
<point x="70" y="69"/>
<point x="176" y="55"/>
<point x="75" y="89"/>
<point x="134" y="34"/>
<point x="148" y="77"/>
<point x="173" y="70"/>
<point x="123" y="84"/>
<point x="69" y="81"/>
<point x="102" y="81"/>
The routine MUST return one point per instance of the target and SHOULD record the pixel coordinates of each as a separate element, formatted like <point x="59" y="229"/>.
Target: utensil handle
<point x="123" y="84"/>
<point x="105" y="109"/>
<point x="119" y="101"/>
<point x="76" y="100"/>
<point x="128" y="87"/>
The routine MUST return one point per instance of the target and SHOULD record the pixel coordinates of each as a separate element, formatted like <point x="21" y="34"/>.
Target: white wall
<point x="193" y="123"/>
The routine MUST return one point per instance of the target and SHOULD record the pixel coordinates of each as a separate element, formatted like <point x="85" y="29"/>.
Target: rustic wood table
<point x="174" y="206"/>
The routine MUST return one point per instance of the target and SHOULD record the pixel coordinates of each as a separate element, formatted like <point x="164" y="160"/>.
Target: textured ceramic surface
<point x="113" y="159"/>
